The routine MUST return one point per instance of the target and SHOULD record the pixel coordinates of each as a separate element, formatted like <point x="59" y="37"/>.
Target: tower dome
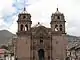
<point x="24" y="11"/>
<point x="57" y="12"/>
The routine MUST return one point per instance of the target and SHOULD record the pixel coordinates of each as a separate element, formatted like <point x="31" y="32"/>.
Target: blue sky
<point x="40" y="11"/>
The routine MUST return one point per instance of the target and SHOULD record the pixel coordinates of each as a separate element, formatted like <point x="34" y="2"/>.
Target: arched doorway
<point x="41" y="54"/>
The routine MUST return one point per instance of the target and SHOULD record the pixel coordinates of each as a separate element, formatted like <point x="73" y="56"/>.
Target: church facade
<point x="40" y="43"/>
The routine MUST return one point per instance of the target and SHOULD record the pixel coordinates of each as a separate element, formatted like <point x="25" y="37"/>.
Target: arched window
<point x="21" y="27"/>
<point x="60" y="27"/>
<point x="41" y="54"/>
<point x="26" y="27"/>
<point x="56" y="28"/>
<point x="58" y="17"/>
<point x="41" y="38"/>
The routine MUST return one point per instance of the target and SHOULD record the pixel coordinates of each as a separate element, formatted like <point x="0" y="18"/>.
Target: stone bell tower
<point x="24" y="22"/>
<point x="58" y="22"/>
<point x="22" y="45"/>
<point x="59" y="40"/>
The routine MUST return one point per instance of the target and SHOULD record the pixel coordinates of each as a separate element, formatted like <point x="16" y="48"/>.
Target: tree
<point x="4" y="47"/>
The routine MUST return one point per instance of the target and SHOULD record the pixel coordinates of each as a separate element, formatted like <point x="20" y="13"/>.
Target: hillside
<point x="5" y="36"/>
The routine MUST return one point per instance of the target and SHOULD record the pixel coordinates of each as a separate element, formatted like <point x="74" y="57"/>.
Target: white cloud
<point x="41" y="11"/>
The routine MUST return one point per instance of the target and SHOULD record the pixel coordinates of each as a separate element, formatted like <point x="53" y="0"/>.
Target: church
<point x="40" y="42"/>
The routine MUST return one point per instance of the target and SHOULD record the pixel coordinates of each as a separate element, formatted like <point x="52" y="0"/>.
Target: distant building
<point x="2" y="54"/>
<point x="5" y="55"/>
<point x="74" y="53"/>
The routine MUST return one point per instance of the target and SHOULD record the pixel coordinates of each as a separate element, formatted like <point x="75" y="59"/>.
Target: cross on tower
<point x="25" y="4"/>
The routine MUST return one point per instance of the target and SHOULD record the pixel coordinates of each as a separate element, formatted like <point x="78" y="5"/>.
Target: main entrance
<point x="41" y="54"/>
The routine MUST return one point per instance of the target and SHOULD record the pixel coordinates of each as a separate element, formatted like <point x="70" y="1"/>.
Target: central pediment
<point x="41" y="31"/>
